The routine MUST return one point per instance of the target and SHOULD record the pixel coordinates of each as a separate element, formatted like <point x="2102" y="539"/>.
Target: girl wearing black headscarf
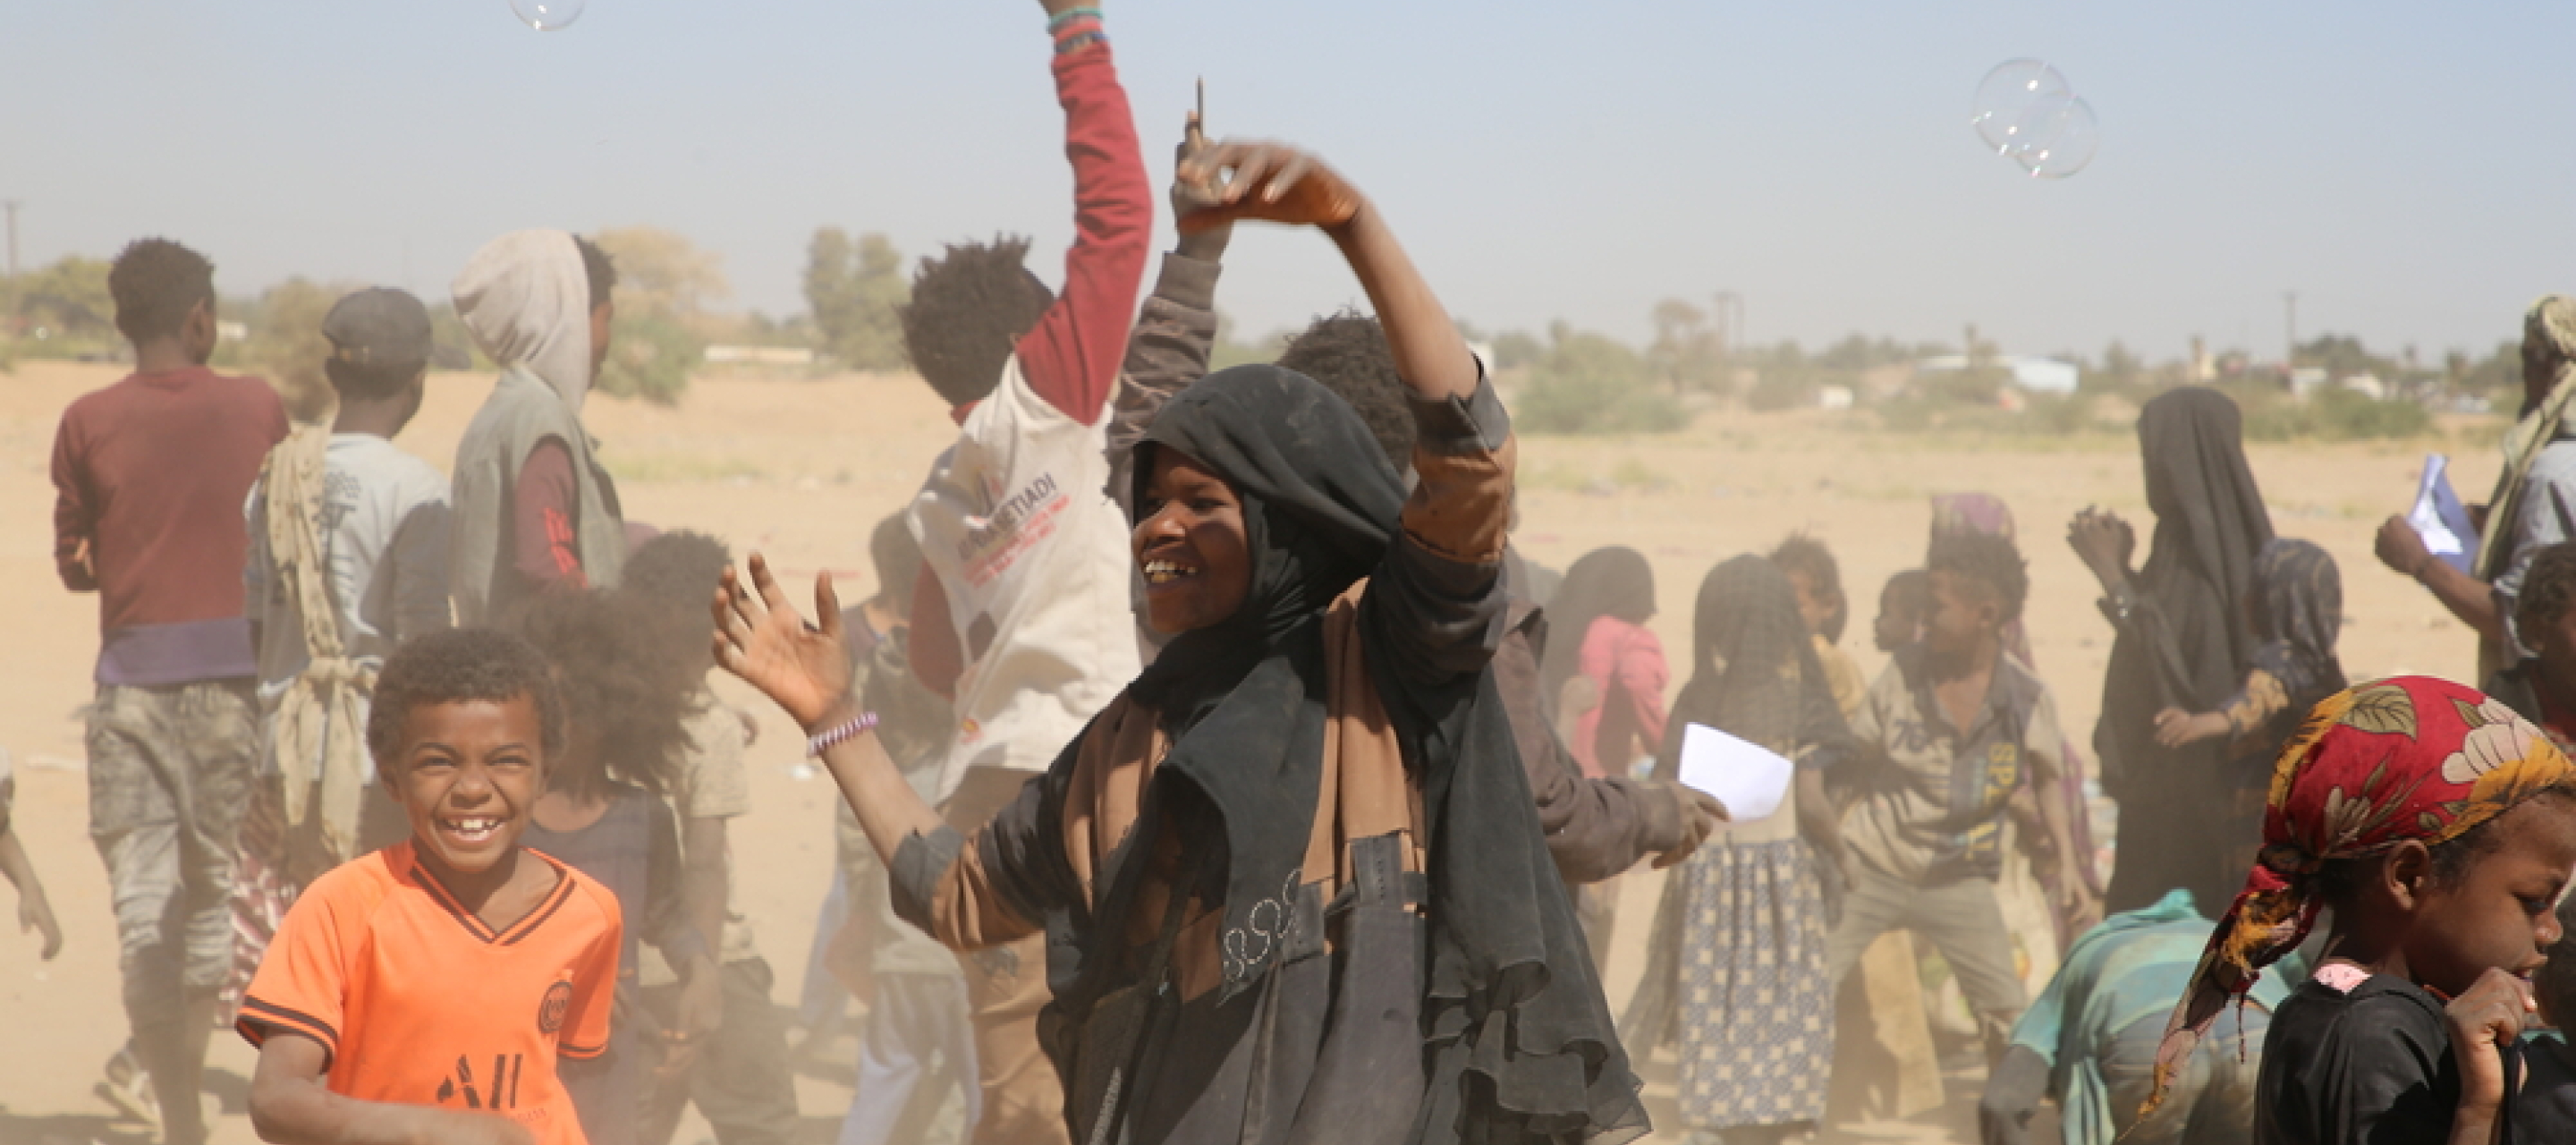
<point x="2183" y="642"/>
<point x="1291" y="880"/>
<point x="1750" y="1005"/>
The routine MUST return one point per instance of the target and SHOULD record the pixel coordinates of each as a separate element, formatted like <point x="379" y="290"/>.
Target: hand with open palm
<point x="805" y="667"/>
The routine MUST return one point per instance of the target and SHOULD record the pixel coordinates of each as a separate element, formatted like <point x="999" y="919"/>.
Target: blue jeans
<point x="916" y="1018"/>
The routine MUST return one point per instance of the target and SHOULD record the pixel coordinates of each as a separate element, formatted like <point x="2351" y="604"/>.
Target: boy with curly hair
<point x="149" y="476"/>
<point x="1949" y="731"/>
<point x="427" y="992"/>
<point x="1021" y="615"/>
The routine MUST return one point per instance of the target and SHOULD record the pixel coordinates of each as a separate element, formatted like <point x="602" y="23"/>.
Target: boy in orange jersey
<point x="428" y="990"/>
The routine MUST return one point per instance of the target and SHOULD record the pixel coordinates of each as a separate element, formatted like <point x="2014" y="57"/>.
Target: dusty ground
<point x="802" y="469"/>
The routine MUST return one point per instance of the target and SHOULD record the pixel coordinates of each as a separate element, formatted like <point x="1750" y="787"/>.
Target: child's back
<point x="2354" y="1056"/>
<point x="415" y="1001"/>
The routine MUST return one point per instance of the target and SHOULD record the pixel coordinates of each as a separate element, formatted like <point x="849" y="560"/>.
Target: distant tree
<point x="1686" y="350"/>
<point x="854" y="291"/>
<point x="667" y="289"/>
<point x="1514" y="349"/>
<point x="285" y="344"/>
<point x="662" y="272"/>
<point x="1592" y="383"/>
<point x="68" y="297"/>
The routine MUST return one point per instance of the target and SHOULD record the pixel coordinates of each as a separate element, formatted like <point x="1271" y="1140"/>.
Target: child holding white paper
<point x="1948" y="733"/>
<point x="1750" y="1006"/>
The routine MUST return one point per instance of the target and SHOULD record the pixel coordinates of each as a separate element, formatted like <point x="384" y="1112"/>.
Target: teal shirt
<point x="2132" y="967"/>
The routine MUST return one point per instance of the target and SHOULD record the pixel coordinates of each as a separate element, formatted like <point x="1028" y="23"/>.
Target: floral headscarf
<point x="2374" y="765"/>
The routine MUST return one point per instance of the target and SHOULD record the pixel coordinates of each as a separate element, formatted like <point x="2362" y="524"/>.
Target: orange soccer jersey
<point x="416" y="1002"/>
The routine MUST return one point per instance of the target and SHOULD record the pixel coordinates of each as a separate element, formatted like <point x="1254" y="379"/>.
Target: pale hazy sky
<point x="2409" y="169"/>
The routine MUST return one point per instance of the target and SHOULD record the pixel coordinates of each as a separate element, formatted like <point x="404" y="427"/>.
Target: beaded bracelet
<point x="823" y="741"/>
<point x="1069" y="15"/>
<point x="1076" y="43"/>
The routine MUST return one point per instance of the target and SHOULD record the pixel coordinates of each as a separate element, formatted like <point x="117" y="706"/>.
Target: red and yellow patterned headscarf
<point x="2405" y="758"/>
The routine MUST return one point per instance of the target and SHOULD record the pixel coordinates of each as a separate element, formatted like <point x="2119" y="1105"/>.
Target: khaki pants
<point x="1023" y="1103"/>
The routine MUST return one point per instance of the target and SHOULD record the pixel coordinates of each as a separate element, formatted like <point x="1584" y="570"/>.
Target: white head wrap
<point x="525" y="298"/>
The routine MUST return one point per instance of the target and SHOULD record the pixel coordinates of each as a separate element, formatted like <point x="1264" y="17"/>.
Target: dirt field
<point x="802" y="470"/>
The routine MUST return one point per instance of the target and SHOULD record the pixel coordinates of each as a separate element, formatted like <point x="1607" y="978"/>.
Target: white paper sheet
<point x="1750" y="780"/>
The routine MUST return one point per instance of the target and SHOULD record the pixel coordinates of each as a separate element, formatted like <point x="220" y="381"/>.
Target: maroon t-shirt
<point x="153" y="473"/>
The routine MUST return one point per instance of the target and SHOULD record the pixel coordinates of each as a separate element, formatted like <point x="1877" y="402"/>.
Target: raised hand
<point x="759" y="637"/>
<point x="2492" y="1012"/>
<point x="1271" y="182"/>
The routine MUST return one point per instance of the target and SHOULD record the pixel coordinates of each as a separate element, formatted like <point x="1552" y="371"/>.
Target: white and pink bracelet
<point x="822" y="741"/>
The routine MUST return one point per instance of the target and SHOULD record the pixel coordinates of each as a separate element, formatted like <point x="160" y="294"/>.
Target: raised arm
<point x="1438" y="597"/>
<point x="805" y="668"/>
<point x="1071" y="356"/>
<point x="1175" y="332"/>
<point x="1276" y="183"/>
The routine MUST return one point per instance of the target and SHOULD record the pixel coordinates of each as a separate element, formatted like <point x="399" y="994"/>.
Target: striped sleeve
<point x="302" y="983"/>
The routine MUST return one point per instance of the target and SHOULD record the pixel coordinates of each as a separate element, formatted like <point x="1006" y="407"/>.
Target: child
<point x="149" y="476"/>
<point x="1902" y="605"/>
<point x="1957" y="727"/>
<point x="918" y="1041"/>
<point x="626" y="700"/>
<point x="1819" y="583"/>
<point x="534" y="507"/>
<point x="427" y="992"/>
<point x="35" y="911"/>
<point x="741" y="1080"/>
<point x="2543" y="688"/>
<point x="348" y="558"/>
<point x="2441" y="829"/>
<point x="1022" y="616"/>
<point x="2088" y="1043"/>
<point x="2296" y="611"/>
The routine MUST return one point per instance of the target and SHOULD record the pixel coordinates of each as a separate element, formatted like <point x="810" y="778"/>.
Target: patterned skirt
<point x="1754" y="1013"/>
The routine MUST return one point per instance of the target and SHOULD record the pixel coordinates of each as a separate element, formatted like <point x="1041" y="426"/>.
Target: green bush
<point x="2330" y="414"/>
<point x="650" y="357"/>
<point x="1588" y="383"/>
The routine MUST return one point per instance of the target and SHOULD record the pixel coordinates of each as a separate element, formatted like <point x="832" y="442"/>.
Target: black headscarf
<point x="1518" y="1039"/>
<point x="2210" y="520"/>
<point x="1612" y="581"/>
<point x="1754" y="676"/>
<point x="2298" y="612"/>
<point x="1754" y="673"/>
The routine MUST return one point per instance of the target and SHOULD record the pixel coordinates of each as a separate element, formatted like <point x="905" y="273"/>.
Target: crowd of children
<point x="1216" y="769"/>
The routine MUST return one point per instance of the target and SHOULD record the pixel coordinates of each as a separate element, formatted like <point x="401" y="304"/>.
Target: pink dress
<point x="1625" y="663"/>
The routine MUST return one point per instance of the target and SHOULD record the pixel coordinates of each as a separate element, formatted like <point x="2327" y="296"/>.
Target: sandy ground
<point x="802" y="470"/>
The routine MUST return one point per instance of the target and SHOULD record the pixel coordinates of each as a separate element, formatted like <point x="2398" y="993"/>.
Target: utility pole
<point x="2290" y="325"/>
<point x="9" y="319"/>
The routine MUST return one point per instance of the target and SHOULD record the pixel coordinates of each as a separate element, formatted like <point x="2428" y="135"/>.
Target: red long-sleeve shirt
<point x="1071" y="356"/>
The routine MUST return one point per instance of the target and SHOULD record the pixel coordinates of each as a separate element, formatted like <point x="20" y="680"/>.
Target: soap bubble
<point x="2063" y="141"/>
<point x="2029" y="114"/>
<point x="547" y="15"/>
<point x="2014" y="98"/>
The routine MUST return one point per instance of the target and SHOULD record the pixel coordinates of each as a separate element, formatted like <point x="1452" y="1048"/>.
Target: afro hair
<point x="2548" y="591"/>
<point x="454" y="667"/>
<point x="1348" y="354"/>
<point x="1804" y="557"/>
<point x="155" y="283"/>
<point x="675" y="574"/>
<point x="1986" y="560"/>
<point x="618" y="680"/>
<point x="969" y="308"/>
